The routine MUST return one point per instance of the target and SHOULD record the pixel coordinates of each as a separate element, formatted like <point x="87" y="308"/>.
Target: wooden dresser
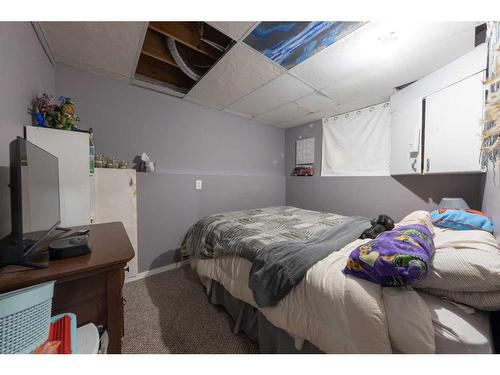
<point x="90" y="285"/>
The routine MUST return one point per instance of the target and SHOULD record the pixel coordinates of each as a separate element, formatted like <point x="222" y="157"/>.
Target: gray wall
<point x="25" y="72"/>
<point x="240" y="161"/>
<point x="491" y="199"/>
<point x="370" y="196"/>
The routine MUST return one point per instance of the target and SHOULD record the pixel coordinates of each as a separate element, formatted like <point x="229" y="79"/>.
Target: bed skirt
<point x="250" y="321"/>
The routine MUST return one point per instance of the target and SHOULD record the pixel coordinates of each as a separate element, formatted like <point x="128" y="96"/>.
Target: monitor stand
<point x="13" y="254"/>
<point x="21" y="254"/>
<point x="64" y="229"/>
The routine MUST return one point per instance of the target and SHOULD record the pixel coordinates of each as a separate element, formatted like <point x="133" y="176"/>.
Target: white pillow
<point x="465" y="261"/>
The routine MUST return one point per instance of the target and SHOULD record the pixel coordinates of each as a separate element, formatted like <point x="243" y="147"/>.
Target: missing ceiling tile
<point x="178" y="54"/>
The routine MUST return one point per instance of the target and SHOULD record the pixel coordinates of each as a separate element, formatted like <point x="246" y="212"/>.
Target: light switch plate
<point x="198" y="185"/>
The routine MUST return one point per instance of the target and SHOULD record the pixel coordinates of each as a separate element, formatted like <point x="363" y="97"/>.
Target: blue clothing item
<point x="461" y="219"/>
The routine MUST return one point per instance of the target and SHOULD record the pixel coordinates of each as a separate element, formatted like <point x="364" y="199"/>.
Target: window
<point x="357" y="143"/>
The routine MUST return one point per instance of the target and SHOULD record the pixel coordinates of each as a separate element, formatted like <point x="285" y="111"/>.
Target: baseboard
<point x="155" y="271"/>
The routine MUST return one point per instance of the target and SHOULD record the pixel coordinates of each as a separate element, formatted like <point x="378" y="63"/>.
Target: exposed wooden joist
<point x="163" y="72"/>
<point x="155" y="46"/>
<point x="186" y="33"/>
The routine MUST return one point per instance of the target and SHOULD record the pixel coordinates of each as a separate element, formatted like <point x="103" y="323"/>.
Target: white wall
<point x="25" y="71"/>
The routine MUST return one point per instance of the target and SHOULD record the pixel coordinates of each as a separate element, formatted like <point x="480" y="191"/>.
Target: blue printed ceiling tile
<point x="290" y="43"/>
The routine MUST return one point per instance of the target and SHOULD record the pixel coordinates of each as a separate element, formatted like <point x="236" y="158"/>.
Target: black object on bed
<point x="380" y="224"/>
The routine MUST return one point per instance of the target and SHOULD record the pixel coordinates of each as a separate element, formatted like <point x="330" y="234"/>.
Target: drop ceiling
<point x="177" y="54"/>
<point x="357" y="70"/>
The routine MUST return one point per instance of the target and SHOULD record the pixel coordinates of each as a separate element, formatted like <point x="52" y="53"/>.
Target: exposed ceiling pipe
<point x="172" y="47"/>
<point x="209" y="42"/>
<point x="213" y="44"/>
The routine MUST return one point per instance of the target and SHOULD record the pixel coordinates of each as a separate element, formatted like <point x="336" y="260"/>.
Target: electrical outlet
<point x="198" y="185"/>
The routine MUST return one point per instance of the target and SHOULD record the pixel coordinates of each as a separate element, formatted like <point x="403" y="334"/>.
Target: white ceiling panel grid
<point x="282" y="114"/>
<point x="372" y="45"/>
<point x="301" y="120"/>
<point x="357" y="71"/>
<point x="202" y="102"/>
<point x="239" y="114"/>
<point x="315" y="102"/>
<point x="401" y="70"/>
<point x="279" y="91"/>
<point x="235" y="30"/>
<point x="240" y="71"/>
<point x="361" y="102"/>
<point x="109" y="46"/>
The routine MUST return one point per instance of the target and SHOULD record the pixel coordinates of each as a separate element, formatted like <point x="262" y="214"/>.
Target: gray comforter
<point x="281" y="242"/>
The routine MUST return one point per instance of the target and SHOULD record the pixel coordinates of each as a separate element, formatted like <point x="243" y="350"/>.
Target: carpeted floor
<point x="169" y="313"/>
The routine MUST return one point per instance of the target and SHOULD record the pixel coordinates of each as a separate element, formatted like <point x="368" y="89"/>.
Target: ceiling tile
<point x="284" y="113"/>
<point x="236" y="113"/>
<point x="109" y="46"/>
<point x="375" y="44"/>
<point x="279" y="91"/>
<point x="201" y="102"/>
<point x="235" y="30"/>
<point x="240" y="71"/>
<point x="315" y="102"/>
<point x="399" y="71"/>
<point x="360" y="102"/>
<point x="301" y="120"/>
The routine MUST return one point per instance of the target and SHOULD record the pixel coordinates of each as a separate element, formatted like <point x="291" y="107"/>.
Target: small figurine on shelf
<point x="50" y="112"/>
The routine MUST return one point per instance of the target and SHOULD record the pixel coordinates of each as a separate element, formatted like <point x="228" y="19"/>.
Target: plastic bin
<point x="73" y="329"/>
<point x="25" y="318"/>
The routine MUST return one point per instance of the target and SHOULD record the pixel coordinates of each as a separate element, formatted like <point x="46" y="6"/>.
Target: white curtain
<point x="357" y="143"/>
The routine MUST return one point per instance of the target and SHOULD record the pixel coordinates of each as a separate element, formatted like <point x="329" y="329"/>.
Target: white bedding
<point x="459" y="329"/>
<point x="336" y="313"/>
<point x="346" y="319"/>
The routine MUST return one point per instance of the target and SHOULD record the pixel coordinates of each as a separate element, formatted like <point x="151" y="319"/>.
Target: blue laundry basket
<point x="25" y="318"/>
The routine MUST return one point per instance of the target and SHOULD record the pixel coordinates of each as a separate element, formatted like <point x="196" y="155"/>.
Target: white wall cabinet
<point x="114" y="198"/>
<point x="72" y="150"/>
<point x="435" y="122"/>
<point x="453" y="128"/>
<point x="406" y="132"/>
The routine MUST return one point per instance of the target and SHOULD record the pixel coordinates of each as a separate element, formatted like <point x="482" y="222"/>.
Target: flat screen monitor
<point x="34" y="189"/>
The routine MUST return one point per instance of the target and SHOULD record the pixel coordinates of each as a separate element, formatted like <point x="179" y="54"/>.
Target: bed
<point x="325" y="309"/>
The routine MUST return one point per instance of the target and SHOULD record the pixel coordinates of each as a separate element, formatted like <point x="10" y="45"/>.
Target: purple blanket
<point x="397" y="257"/>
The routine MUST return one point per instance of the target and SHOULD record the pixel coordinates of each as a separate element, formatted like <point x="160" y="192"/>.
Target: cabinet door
<point x="406" y="130"/>
<point x="453" y="128"/>
<point x="114" y="198"/>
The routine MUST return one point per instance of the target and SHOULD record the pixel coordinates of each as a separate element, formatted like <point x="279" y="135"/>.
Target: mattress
<point x="459" y="329"/>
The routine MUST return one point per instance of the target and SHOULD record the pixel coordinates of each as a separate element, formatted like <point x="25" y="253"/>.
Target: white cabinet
<point x="114" y="198"/>
<point x="453" y="128"/>
<point x="72" y="150"/>
<point x="435" y="122"/>
<point x="406" y="129"/>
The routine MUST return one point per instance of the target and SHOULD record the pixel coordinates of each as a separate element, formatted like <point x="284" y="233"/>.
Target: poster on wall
<point x="305" y="151"/>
